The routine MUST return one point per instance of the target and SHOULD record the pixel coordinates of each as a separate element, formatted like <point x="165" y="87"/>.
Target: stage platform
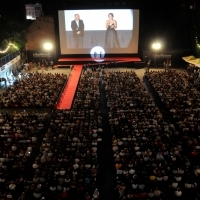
<point x="134" y="59"/>
<point x="113" y="61"/>
<point x="74" y="61"/>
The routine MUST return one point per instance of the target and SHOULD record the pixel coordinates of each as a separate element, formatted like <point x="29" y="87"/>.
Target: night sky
<point x="162" y="20"/>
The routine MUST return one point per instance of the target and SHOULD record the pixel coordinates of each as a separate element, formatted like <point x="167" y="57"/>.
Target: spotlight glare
<point x="156" y="46"/>
<point x="48" y="46"/>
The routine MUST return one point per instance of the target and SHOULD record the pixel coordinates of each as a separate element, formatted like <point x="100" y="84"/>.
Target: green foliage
<point x="198" y="50"/>
<point x="198" y="53"/>
<point x="197" y="47"/>
<point x="12" y="30"/>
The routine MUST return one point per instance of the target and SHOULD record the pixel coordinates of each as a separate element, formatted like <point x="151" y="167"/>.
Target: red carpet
<point x="66" y="99"/>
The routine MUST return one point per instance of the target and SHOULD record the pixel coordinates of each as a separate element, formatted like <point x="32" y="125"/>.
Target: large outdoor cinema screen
<point x="115" y="30"/>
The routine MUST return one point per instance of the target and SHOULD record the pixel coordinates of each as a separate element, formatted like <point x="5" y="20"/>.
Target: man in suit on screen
<point x="77" y="26"/>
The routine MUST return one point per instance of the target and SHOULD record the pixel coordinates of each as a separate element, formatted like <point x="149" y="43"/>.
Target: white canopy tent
<point x="188" y="58"/>
<point x="192" y="60"/>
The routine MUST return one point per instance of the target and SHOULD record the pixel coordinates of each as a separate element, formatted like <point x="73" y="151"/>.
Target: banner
<point x="38" y="55"/>
<point x="41" y="55"/>
<point x="162" y="56"/>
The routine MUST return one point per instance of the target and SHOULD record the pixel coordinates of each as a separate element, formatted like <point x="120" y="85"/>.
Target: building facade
<point x="33" y="11"/>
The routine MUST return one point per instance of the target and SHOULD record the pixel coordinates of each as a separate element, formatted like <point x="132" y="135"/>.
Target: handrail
<point x="2" y="60"/>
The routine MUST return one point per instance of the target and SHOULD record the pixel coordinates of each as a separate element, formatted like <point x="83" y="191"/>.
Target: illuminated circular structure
<point x="97" y="53"/>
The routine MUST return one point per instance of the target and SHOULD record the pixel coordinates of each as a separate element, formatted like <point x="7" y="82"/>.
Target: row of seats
<point x="19" y="134"/>
<point x="33" y="90"/>
<point x="154" y="157"/>
<point x="151" y="156"/>
<point x="66" y="167"/>
<point x="181" y="99"/>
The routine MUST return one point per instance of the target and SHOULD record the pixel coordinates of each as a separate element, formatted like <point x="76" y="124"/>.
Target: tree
<point x="13" y="30"/>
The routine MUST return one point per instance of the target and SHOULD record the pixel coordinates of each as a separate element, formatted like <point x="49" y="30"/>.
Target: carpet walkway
<point x="66" y="99"/>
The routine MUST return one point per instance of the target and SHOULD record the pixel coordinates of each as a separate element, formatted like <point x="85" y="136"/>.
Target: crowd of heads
<point x="179" y="97"/>
<point x="54" y="155"/>
<point x="153" y="158"/>
<point x="181" y="101"/>
<point x="33" y="90"/>
<point x="87" y="96"/>
<point x="99" y="67"/>
<point x="68" y="155"/>
<point x="19" y="133"/>
<point x="193" y="72"/>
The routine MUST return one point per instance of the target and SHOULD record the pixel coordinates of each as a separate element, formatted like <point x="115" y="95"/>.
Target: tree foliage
<point x="12" y="30"/>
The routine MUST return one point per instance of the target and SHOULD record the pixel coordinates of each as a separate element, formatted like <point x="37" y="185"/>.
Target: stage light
<point x="156" y="46"/>
<point x="48" y="46"/>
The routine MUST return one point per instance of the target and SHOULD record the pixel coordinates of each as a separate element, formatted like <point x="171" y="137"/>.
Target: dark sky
<point x="152" y="12"/>
<point x="158" y="19"/>
<point x="151" y="8"/>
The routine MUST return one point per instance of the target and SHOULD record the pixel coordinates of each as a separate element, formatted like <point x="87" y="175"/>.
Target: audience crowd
<point x="181" y="100"/>
<point x="19" y="134"/>
<point x="152" y="158"/>
<point x="54" y="156"/>
<point x="33" y="90"/>
<point x="180" y="97"/>
<point x="66" y="167"/>
<point x="193" y="72"/>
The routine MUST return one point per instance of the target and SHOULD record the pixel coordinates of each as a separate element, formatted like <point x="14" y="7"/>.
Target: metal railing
<point x="6" y="59"/>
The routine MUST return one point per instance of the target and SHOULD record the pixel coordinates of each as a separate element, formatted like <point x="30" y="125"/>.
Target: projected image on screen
<point x="115" y="30"/>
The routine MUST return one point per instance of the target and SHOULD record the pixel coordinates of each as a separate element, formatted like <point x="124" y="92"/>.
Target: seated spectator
<point x="34" y="90"/>
<point x="16" y="133"/>
<point x="68" y="153"/>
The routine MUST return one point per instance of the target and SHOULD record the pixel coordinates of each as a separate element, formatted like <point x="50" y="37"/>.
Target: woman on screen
<point x="111" y="38"/>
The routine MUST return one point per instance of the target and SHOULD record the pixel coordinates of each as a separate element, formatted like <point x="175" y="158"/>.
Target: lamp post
<point x="156" y="46"/>
<point x="48" y="47"/>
